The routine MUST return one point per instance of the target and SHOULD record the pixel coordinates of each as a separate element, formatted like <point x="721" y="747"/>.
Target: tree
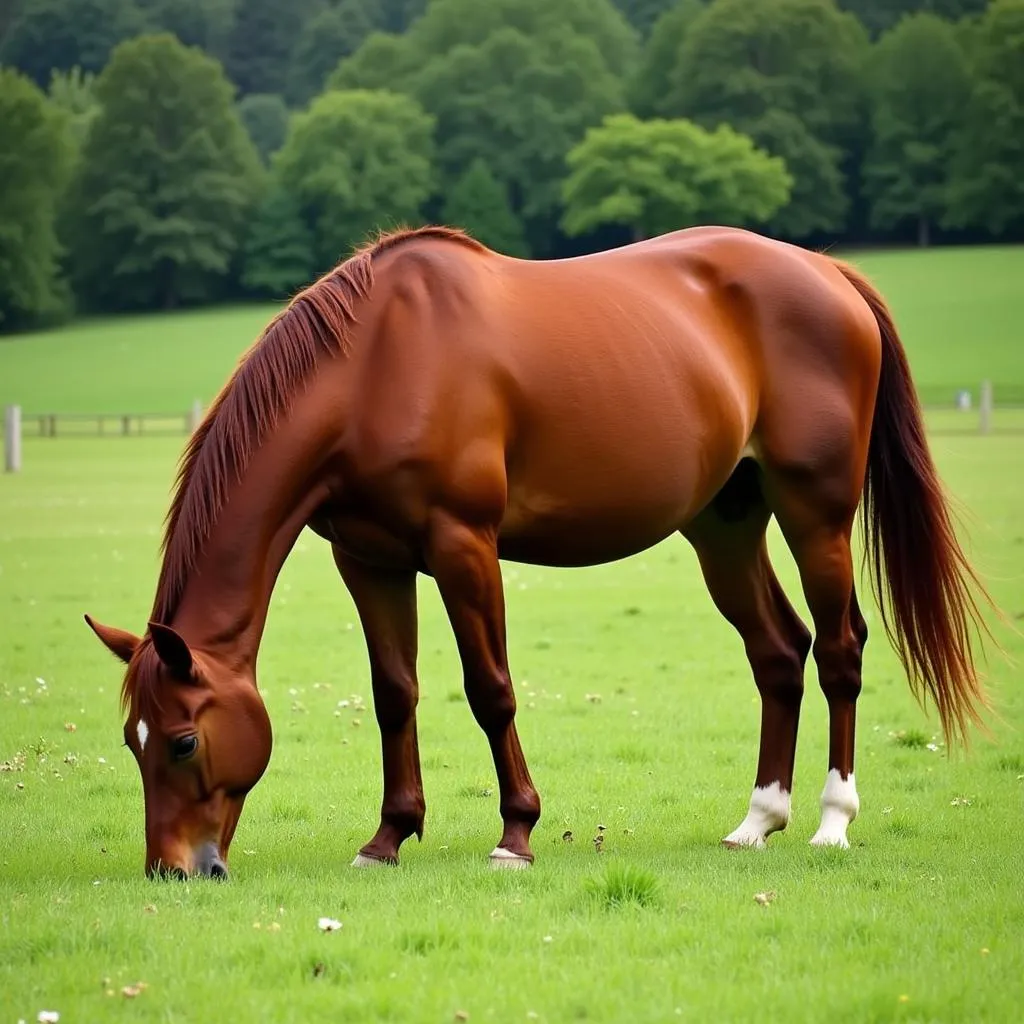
<point x="34" y="163"/>
<point x="478" y="203"/>
<point x="278" y="256"/>
<point x="745" y="63"/>
<point x="203" y="23"/>
<point x="262" y="40"/>
<point x="651" y="84"/>
<point x="166" y="182"/>
<point x="383" y="62"/>
<point x="73" y="93"/>
<point x="450" y="24"/>
<point x="987" y="178"/>
<point x="329" y="36"/>
<point x="48" y="35"/>
<point x="642" y="14"/>
<point x="356" y="161"/>
<point x="514" y="83"/>
<point x="880" y="15"/>
<point x="528" y="106"/>
<point x="920" y="86"/>
<point x="818" y="201"/>
<point x="658" y="176"/>
<point x="265" y="116"/>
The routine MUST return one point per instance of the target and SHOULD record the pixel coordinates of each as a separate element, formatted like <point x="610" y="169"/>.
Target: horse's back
<point x="598" y="403"/>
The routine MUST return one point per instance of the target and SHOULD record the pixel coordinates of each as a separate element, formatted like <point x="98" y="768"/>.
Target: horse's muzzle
<point x="206" y="863"/>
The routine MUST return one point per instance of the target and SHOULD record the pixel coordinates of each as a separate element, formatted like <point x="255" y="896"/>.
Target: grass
<point x="640" y="725"/>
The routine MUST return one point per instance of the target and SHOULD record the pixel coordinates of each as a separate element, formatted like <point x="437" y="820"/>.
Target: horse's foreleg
<point x="464" y="563"/>
<point x="739" y="576"/>
<point x="386" y="602"/>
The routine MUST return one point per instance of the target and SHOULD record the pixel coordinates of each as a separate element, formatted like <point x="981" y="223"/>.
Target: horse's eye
<point x="183" y="747"/>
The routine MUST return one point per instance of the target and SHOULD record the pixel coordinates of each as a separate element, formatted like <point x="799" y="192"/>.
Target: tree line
<point x="158" y="153"/>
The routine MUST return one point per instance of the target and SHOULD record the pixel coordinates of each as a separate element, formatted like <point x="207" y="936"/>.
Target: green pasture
<point x="639" y="722"/>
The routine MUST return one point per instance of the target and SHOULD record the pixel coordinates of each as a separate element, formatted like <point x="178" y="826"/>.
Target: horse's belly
<point x="590" y="540"/>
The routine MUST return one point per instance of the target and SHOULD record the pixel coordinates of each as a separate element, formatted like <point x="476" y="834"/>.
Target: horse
<point x="433" y="406"/>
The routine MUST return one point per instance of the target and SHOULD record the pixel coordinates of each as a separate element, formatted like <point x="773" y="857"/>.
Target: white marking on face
<point x="143" y="730"/>
<point x="839" y="806"/>
<point x="769" y="812"/>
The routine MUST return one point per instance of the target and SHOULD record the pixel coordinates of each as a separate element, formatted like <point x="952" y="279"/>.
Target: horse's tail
<point x="924" y="593"/>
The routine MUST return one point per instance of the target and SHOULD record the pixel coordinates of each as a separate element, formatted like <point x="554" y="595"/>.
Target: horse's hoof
<point x="826" y="838"/>
<point x="362" y="861"/>
<point x="744" y="842"/>
<point x="505" y="860"/>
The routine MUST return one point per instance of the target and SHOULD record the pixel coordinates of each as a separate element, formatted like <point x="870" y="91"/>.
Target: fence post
<point x="12" y="438"/>
<point x="986" y="404"/>
<point x="195" y="415"/>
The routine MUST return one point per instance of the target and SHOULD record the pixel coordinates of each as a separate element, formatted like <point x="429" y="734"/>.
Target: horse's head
<point x="202" y="739"/>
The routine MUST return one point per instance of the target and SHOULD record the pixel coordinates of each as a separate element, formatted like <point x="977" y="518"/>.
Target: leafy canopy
<point x="357" y="161"/>
<point x="658" y="176"/>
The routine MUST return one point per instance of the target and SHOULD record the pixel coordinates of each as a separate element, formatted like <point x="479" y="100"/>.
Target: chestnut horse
<point x="431" y="406"/>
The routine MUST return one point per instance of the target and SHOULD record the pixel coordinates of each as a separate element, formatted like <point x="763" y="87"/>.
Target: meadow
<point x="637" y="715"/>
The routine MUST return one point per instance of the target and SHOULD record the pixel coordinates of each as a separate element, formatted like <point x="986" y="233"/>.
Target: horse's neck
<point x="225" y="600"/>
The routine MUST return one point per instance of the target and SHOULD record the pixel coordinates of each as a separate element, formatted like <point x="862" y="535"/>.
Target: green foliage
<point x="357" y="161"/>
<point x="265" y="116"/>
<point x="920" y="86"/>
<point x="383" y="62"/>
<point x="880" y="15"/>
<point x="204" y="23"/>
<point x="166" y="181"/>
<point x="741" y="62"/>
<point x="392" y="15"/>
<point x="328" y="37"/>
<point x="451" y="24"/>
<point x="35" y="159"/>
<point x="48" y="35"/>
<point x="819" y="201"/>
<point x="657" y="176"/>
<point x="262" y="40"/>
<point x="650" y="86"/>
<point x="278" y="249"/>
<point x="987" y="181"/>
<point x="514" y="83"/>
<point x="478" y="203"/>
<point x="529" y="105"/>
<point x="642" y="14"/>
<point x="72" y="92"/>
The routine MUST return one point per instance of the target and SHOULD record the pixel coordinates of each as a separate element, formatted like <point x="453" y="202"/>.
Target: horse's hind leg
<point x="815" y="502"/>
<point x="821" y="549"/>
<point x="386" y="602"/>
<point x="729" y="539"/>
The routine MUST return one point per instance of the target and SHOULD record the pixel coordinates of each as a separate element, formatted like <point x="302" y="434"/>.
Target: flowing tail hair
<point x="919" y="573"/>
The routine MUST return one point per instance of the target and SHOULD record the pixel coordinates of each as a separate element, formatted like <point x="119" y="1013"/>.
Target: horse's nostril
<point x="218" y="870"/>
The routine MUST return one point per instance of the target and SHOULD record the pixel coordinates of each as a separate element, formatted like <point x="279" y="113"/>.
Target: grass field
<point x="921" y="920"/>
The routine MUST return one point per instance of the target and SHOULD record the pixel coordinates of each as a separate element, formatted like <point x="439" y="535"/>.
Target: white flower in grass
<point x="328" y="924"/>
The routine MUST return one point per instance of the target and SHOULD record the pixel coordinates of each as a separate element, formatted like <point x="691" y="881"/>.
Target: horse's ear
<point x="172" y="650"/>
<point x="118" y="641"/>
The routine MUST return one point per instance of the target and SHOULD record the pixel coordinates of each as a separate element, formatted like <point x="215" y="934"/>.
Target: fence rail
<point x="977" y="410"/>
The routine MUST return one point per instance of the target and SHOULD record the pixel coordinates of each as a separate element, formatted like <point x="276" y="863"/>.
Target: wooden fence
<point x="19" y="425"/>
<point x="961" y="412"/>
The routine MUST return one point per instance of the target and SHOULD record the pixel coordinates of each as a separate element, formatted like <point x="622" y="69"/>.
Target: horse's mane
<point x="315" y="324"/>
